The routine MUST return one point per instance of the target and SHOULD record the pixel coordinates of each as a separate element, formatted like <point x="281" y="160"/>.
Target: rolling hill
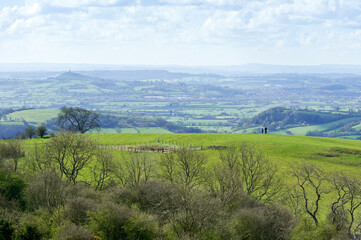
<point x="284" y="121"/>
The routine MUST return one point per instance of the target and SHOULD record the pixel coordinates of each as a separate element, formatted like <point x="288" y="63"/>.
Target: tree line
<point x="68" y="188"/>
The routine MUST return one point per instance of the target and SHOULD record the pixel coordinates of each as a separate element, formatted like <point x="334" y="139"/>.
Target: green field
<point x="34" y="115"/>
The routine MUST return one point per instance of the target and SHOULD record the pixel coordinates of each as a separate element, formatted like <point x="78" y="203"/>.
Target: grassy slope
<point x="282" y="150"/>
<point x="285" y="151"/>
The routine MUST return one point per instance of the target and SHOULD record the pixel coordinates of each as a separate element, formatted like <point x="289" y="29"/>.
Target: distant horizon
<point x="177" y="65"/>
<point x="249" y="68"/>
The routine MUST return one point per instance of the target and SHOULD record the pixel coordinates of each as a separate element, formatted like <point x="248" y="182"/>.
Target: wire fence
<point x="159" y="146"/>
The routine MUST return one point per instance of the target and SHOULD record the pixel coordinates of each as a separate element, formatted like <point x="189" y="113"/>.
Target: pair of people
<point x="264" y="130"/>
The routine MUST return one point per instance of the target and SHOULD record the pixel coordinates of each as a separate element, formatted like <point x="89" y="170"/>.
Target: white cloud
<point x="79" y="3"/>
<point x="167" y="25"/>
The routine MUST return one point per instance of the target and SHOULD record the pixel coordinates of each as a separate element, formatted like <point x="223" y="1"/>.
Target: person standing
<point x="262" y="130"/>
<point x="265" y="130"/>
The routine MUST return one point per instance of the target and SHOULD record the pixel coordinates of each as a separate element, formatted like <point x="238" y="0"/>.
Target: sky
<point x="181" y="32"/>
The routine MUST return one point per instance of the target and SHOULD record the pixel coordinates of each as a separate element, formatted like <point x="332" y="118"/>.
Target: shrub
<point x="6" y="230"/>
<point x="30" y="232"/>
<point x="77" y="208"/>
<point x="47" y="190"/>
<point x="142" y="226"/>
<point x="12" y="187"/>
<point x="39" y="224"/>
<point x="263" y="223"/>
<point x="74" y="232"/>
<point x="306" y="229"/>
<point x="109" y="221"/>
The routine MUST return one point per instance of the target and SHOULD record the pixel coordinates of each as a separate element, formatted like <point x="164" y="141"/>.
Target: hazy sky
<point x="186" y="32"/>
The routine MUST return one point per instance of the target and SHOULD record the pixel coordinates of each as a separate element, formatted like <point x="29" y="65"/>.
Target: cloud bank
<point x="189" y="32"/>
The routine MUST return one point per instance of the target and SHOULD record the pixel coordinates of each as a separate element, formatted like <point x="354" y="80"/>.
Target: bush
<point x="263" y="223"/>
<point x="77" y="208"/>
<point x="143" y="226"/>
<point x="6" y="230"/>
<point x="74" y="232"/>
<point x="47" y="190"/>
<point x="109" y="221"/>
<point x="157" y="197"/>
<point x="36" y="225"/>
<point x="30" y="232"/>
<point x="12" y="187"/>
<point x="306" y="229"/>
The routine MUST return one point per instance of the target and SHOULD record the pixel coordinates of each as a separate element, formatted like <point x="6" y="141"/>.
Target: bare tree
<point x="244" y="169"/>
<point x="102" y="169"/>
<point x="168" y="168"/>
<point x="47" y="189"/>
<point x="185" y="167"/>
<point x="310" y="180"/>
<point x="338" y="212"/>
<point x="78" y="119"/>
<point x="135" y="169"/>
<point x="224" y="180"/>
<point x="37" y="160"/>
<point x="259" y="175"/>
<point x="347" y="202"/>
<point x="71" y="153"/>
<point x="12" y="151"/>
<point x="292" y="197"/>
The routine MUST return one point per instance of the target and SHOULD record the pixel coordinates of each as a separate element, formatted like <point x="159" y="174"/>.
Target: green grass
<point x="34" y="115"/>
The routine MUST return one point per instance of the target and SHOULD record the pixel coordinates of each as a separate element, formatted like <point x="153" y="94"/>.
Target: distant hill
<point x="134" y="75"/>
<point x="280" y="117"/>
<point x="280" y="120"/>
<point x="69" y="76"/>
